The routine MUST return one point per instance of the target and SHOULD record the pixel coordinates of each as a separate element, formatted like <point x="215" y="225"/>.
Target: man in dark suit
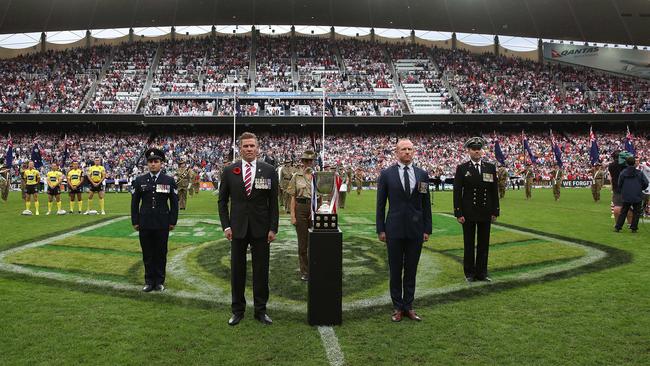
<point x="406" y="227"/>
<point x="251" y="187"/>
<point x="154" y="212"/>
<point x="476" y="206"/>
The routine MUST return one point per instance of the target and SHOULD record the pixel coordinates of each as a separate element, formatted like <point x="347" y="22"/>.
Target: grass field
<point x="566" y="290"/>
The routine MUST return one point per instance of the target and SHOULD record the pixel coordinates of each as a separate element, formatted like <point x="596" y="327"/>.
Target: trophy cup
<point x="324" y="219"/>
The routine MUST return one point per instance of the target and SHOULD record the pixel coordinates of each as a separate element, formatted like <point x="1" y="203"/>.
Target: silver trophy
<point x="324" y="219"/>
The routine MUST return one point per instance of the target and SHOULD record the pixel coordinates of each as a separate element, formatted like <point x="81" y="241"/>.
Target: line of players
<point x="94" y="176"/>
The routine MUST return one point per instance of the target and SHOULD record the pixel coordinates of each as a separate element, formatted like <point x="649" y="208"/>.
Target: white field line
<point x="332" y="346"/>
<point x="212" y="293"/>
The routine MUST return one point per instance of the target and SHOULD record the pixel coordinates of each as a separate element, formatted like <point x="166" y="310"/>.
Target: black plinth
<point x="324" y="301"/>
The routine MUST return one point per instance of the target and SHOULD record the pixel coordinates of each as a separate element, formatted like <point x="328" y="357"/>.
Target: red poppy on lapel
<point x="236" y="171"/>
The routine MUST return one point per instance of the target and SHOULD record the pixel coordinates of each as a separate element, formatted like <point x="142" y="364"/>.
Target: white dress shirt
<point x="411" y="175"/>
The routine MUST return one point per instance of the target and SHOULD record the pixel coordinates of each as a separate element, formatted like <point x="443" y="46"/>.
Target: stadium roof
<point x="610" y="21"/>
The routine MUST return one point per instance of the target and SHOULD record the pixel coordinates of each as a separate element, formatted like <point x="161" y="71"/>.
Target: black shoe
<point x="147" y="288"/>
<point x="159" y="287"/>
<point x="235" y="319"/>
<point x="469" y="279"/>
<point x="264" y="319"/>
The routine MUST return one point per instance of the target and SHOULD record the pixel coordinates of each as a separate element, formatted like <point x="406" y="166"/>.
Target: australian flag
<point x="498" y="153"/>
<point x="36" y="156"/>
<point x="594" y="154"/>
<point x="629" y="144"/>
<point x="9" y="156"/>
<point x="66" y="154"/>
<point x="533" y="159"/>
<point x="556" y="151"/>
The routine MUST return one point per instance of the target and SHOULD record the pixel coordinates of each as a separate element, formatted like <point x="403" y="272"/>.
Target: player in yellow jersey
<point x="54" y="180"/>
<point x="96" y="175"/>
<point x="32" y="178"/>
<point x="75" y="181"/>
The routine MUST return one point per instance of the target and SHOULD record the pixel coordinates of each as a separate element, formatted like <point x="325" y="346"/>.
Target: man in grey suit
<point x="251" y="188"/>
<point x="406" y="227"/>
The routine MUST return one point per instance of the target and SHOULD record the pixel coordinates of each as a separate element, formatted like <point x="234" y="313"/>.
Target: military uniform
<point x="350" y="174"/>
<point x="529" y="178"/>
<point x="556" y="182"/>
<point x="5" y="181"/>
<point x="154" y="210"/>
<point x="502" y="176"/>
<point x="597" y="181"/>
<point x="183" y="182"/>
<point x="285" y="176"/>
<point x="196" y="182"/>
<point x="300" y="189"/>
<point x="476" y="200"/>
<point x="359" y="181"/>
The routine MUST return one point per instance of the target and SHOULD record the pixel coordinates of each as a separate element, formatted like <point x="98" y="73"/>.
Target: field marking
<point x="211" y="293"/>
<point x="332" y="346"/>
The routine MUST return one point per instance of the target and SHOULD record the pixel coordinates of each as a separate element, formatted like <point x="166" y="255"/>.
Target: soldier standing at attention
<point x="476" y="207"/>
<point x="196" y="181"/>
<point x="183" y="183"/>
<point x="597" y="180"/>
<point x="502" y="175"/>
<point x="350" y="175"/>
<point x="300" y="190"/>
<point x="154" y="212"/>
<point x="529" y="177"/>
<point x="285" y="177"/>
<point x="556" y="181"/>
<point x="359" y="181"/>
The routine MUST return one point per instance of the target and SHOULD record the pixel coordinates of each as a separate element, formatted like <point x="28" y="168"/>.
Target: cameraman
<point x="631" y="184"/>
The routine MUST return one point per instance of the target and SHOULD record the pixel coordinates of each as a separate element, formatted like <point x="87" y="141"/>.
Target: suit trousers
<point x="154" y="254"/>
<point x="476" y="237"/>
<point x="260" y="252"/>
<point x="403" y="258"/>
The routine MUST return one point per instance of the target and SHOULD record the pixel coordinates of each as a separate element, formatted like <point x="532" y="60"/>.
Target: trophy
<point x="324" y="219"/>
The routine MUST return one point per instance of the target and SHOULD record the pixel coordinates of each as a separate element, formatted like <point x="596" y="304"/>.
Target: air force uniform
<point x="154" y="208"/>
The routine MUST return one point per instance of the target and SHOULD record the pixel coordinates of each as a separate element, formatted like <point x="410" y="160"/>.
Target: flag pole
<point x="322" y="147"/>
<point x="234" y="125"/>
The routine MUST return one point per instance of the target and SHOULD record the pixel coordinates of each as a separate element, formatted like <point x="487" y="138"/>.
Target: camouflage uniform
<point x="358" y="180"/>
<point x="285" y="177"/>
<point x="597" y="181"/>
<point x="183" y="175"/>
<point x="300" y="190"/>
<point x="529" y="177"/>
<point x="556" y="182"/>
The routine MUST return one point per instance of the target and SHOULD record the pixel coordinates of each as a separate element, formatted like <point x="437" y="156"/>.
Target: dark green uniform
<point x="529" y="178"/>
<point x="502" y="177"/>
<point x="300" y="187"/>
<point x="183" y="176"/>
<point x="597" y="181"/>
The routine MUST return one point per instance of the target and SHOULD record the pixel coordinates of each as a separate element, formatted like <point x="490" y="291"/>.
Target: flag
<point x="533" y="159"/>
<point x="594" y="154"/>
<point x="66" y="153"/>
<point x="237" y="105"/>
<point x="498" y="153"/>
<point x="556" y="150"/>
<point x="9" y="156"/>
<point x="629" y="144"/>
<point x="36" y="156"/>
<point x="314" y="198"/>
<point x="335" y="196"/>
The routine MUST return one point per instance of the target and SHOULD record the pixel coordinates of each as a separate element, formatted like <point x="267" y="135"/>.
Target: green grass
<point x="598" y="314"/>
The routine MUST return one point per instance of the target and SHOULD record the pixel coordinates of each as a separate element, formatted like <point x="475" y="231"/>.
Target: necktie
<point x="407" y="181"/>
<point x="478" y="167"/>
<point x="247" y="179"/>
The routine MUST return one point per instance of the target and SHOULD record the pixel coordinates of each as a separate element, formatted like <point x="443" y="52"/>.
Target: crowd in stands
<point x="365" y="66"/>
<point x="174" y="107"/>
<point x="119" y="91"/>
<point x="72" y="81"/>
<point x="438" y="152"/>
<point x="273" y="64"/>
<point x="227" y="65"/>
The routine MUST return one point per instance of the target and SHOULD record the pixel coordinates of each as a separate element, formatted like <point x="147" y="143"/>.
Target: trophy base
<point x="326" y="222"/>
